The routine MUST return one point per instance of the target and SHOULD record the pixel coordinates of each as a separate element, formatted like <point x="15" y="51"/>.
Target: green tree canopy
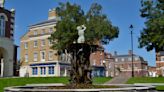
<point x="152" y="36"/>
<point x="99" y="28"/>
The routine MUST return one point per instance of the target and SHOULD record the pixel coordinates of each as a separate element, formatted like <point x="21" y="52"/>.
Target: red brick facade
<point x="9" y="25"/>
<point x="123" y="64"/>
<point x="160" y="63"/>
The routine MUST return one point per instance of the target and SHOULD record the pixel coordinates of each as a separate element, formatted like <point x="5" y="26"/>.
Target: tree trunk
<point x="80" y="72"/>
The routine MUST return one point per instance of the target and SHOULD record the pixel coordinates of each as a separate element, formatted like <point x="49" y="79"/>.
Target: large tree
<point x="152" y="36"/>
<point x="99" y="29"/>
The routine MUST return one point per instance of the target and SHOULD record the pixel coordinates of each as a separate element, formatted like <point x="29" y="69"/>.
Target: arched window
<point x="2" y="25"/>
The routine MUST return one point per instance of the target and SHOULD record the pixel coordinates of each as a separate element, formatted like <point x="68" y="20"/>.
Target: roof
<point x="40" y="24"/>
<point x="127" y="56"/>
<point x="120" y="56"/>
<point x="43" y="23"/>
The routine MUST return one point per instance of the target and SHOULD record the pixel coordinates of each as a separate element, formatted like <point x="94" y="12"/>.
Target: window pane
<point x="26" y="45"/>
<point x="34" y="71"/>
<point x="26" y="58"/>
<point x="43" y="43"/>
<point x="50" y="55"/>
<point x="35" y="43"/>
<point x="35" y="56"/>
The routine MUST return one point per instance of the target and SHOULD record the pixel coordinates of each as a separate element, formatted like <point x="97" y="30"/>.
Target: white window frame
<point x="35" y="57"/>
<point x="129" y="59"/>
<point x="50" y="55"/>
<point x="26" y="57"/>
<point x="162" y="59"/>
<point x="94" y="62"/>
<point x="50" y="43"/>
<point x="136" y="58"/>
<point x="43" y="42"/>
<point x="50" y="30"/>
<point x="35" y="43"/>
<point x="42" y="59"/>
<point x="122" y="59"/>
<point x="116" y="59"/>
<point x="42" y="70"/>
<point x="26" y="45"/>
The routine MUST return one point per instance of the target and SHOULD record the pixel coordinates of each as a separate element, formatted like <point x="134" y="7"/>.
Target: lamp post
<point x="131" y="32"/>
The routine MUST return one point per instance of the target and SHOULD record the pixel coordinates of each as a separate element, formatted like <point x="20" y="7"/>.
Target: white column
<point x="57" y="70"/>
<point x="65" y="72"/>
<point x="2" y="67"/>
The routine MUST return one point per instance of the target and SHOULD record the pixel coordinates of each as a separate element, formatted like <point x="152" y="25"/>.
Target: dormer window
<point x="2" y="25"/>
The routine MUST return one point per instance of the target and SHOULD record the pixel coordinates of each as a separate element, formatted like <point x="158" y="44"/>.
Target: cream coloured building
<point x="37" y="58"/>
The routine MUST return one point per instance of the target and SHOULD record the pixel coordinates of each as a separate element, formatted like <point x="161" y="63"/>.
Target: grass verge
<point x="147" y="80"/>
<point x="6" y="82"/>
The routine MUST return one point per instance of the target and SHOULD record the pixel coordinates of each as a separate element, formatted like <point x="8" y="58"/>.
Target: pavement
<point x="120" y="79"/>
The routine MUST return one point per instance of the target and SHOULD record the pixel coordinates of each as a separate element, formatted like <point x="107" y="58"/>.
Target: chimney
<point x="52" y="14"/>
<point x="115" y="53"/>
<point x="130" y="52"/>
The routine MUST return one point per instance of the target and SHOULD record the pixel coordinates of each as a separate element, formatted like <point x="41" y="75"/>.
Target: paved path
<point x="120" y="79"/>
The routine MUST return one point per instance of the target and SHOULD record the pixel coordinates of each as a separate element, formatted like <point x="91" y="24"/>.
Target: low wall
<point x="44" y="88"/>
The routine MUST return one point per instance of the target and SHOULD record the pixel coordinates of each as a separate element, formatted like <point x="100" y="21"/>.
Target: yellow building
<point x="37" y="58"/>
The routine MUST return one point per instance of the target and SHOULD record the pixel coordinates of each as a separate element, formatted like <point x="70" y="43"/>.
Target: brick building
<point x="8" y="50"/>
<point x="160" y="63"/>
<point x="97" y="61"/>
<point x="117" y="64"/>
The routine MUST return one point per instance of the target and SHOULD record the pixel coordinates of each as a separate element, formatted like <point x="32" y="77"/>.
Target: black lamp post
<point x="131" y="32"/>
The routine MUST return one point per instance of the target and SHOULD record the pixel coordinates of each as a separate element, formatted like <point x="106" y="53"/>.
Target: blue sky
<point x="122" y="13"/>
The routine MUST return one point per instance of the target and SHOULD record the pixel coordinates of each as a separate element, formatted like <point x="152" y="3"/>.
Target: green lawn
<point x="148" y="80"/>
<point x="100" y="80"/>
<point x="6" y="82"/>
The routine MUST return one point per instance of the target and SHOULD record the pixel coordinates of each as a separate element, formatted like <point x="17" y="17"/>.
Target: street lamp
<point x="131" y="32"/>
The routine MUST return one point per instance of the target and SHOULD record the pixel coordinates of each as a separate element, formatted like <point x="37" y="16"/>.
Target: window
<point x="129" y="65"/>
<point x="35" y="43"/>
<point x="2" y="25"/>
<point x="26" y="58"/>
<point x="50" y="55"/>
<point x="162" y="59"/>
<point x="35" y="32"/>
<point x="34" y="70"/>
<point x="136" y="58"/>
<point x="51" y="70"/>
<point x="35" y="56"/>
<point x="122" y="59"/>
<point x="43" y="31"/>
<point x="42" y="70"/>
<point x="129" y="59"/>
<point x="94" y="62"/>
<point x="26" y="45"/>
<point x="50" y="42"/>
<point x="116" y="59"/>
<point x="50" y="30"/>
<point x="43" y="55"/>
<point x="101" y="53"/>
<point x="43" y="43"/>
